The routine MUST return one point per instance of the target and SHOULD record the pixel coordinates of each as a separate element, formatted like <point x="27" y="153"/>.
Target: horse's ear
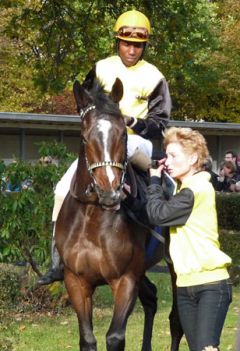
<point x="81" y="97"/>
<point x="117" y="91"/>
<point x="89" y="79"/>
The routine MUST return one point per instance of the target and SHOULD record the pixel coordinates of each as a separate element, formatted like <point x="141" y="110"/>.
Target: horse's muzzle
<point x="110" y="200"/>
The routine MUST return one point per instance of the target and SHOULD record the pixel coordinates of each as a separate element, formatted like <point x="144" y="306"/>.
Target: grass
<point x="51" y="332"/>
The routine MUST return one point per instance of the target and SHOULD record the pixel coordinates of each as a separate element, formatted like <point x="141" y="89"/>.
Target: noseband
<point x="91" y="167"/>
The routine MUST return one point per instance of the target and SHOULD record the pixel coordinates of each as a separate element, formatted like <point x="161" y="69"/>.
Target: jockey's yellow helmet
<point x="133" y="26"/>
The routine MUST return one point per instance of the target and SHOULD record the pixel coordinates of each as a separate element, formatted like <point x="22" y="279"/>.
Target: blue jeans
<point x="202" y="310"/>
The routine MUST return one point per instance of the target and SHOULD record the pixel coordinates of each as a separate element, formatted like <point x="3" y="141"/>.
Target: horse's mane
<point x="102" y="100"/>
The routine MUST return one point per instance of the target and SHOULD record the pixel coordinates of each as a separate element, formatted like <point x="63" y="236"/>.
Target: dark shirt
<point x="226" y="183"/>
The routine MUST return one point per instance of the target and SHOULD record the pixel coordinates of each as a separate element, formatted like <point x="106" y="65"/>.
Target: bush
<point x="10" y="286"/>
<point x="25" y="216"/>
<point x="230" y="243"/>
<point x="228" y="205"/>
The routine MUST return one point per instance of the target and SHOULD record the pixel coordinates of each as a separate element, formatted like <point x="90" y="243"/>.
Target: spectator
<point x="227" y="177"/>
<point x="232" y="156"/>
<point x="11" y="178"/>
<point x="208" y="168"/>
<point x="237" y="187"/>
<point x="46" y="160"/>
<point x="238" y="161"/>
<point x="12" y="187"/>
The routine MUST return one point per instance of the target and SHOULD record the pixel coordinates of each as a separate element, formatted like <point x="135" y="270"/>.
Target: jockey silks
<point x="138" y="81"/>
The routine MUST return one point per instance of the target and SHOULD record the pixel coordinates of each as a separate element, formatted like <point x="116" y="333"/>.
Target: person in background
<point x="204" y="290"/>
<point x="46" y="160"/>
<point x="237" y="187"/>
<point x="238" y="161"/>
<point x="227" y="177"/>
<point x="145" y="105"/>
<point x="207" y="166"/>
<point x="232" y="156"/>
<point x="12" y="179"/>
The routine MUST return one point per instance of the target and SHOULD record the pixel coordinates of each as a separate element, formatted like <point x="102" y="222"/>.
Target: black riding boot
<point x="55" y="273"/>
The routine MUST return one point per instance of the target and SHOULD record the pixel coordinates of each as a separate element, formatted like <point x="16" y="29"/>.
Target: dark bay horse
<point x="97" y="242"/>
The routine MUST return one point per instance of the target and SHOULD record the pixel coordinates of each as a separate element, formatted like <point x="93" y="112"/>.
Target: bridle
<point x="91" y="167"/>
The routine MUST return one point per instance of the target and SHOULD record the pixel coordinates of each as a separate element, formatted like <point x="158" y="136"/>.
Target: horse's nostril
<point x="116" y="194"/>
<point x="109" y="198"/>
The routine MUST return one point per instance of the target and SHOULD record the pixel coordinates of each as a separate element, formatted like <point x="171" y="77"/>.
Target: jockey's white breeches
<point x="134" y="143"/>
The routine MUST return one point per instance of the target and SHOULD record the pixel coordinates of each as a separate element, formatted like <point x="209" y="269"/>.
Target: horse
<point x="97" y="241"/>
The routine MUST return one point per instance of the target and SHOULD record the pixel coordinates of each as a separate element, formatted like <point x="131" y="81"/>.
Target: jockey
<point x="145" y="105"/>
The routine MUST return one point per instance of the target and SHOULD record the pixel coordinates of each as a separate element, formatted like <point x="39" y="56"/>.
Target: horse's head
<point x="104" y="136"/>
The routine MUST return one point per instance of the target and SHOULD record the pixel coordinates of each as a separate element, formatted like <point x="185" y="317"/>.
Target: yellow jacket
<point x="139" y="82"/>
<point x="191" y="215"/>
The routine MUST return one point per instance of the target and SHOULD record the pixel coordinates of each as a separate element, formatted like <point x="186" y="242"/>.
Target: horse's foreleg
<point x="125" y="294"/>
<point x="80" y="294"/>
<point x="148" y="297"/>
<point x="175" y="325"/>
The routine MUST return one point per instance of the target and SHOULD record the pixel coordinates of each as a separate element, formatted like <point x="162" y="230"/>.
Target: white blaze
<point x="104" y="127"/>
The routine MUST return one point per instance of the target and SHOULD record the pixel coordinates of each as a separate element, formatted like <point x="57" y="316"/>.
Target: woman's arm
<point x="172" y="212"/>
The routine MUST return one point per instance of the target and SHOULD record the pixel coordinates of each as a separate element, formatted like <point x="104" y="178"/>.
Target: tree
<point x="226" y="61"/>
<point x="62" y="39"/>
<point x="17" y="91"/>
<point x="185" y="35"/>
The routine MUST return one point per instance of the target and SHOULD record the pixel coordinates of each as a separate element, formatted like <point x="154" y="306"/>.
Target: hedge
<point x="228" y="210"/>
<point x="25" y="215"/>
<point x="10" y="285"/>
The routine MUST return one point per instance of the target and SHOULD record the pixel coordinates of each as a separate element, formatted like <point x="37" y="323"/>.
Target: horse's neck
<point x="81" y="182"/>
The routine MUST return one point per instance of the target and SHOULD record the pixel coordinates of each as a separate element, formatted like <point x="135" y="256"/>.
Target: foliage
<point x="61" y="104"/>
<point x="25" y="224"/>
<point x="185" y="37"/>
<point x="10" y="286"/>
<point x="231" y="245"/>
<point x="194" y="43"/>
<point x="228" y="210"/>
<point x="225" y="104"/>
<point x="16" y="80"/>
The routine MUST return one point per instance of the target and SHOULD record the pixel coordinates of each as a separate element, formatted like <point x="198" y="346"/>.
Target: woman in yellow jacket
<point x="203" y="286"/>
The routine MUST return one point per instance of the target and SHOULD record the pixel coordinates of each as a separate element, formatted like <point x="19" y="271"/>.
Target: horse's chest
<point x="102" y="257"/>
<point x="101" y="245"/>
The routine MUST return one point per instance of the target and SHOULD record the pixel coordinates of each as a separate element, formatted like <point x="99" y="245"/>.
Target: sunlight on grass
<point x="51" y="332"/>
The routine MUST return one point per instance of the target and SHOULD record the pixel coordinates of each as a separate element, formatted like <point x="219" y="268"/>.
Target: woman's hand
<point x="157" y="172"/>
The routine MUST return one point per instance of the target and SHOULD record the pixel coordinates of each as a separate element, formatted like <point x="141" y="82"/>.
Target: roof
<point x="71" y="122"/>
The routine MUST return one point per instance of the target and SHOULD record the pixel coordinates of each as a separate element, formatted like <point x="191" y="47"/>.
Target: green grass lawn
<point x="59" y="332"/>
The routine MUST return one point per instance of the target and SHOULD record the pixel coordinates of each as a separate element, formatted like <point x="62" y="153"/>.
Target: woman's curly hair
<point x="191" y="141"/>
